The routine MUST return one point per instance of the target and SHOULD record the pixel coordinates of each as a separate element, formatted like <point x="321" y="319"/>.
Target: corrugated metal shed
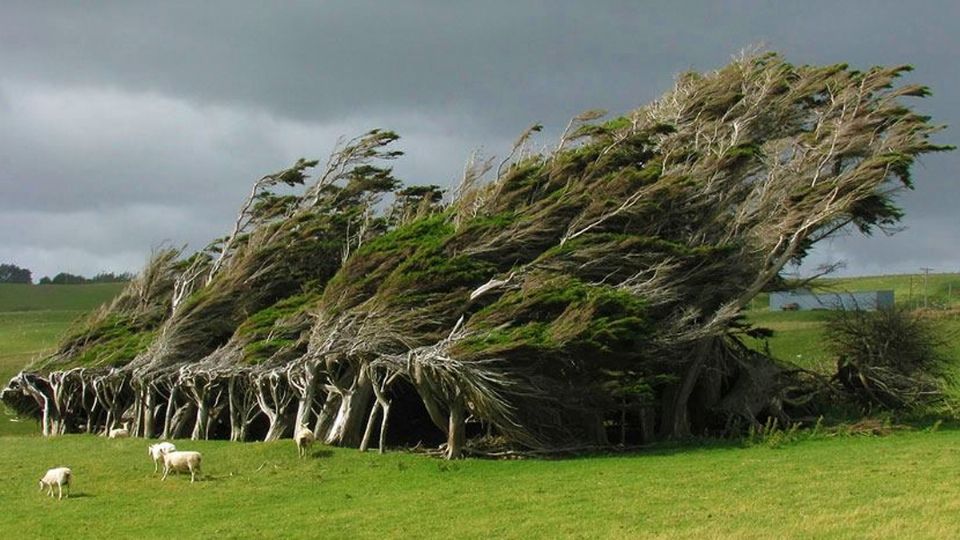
<point x="802" y="299"/>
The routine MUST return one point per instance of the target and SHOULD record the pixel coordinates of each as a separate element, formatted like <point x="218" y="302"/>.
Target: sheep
<point x="179" y="461"/>
<point x="120" y="433"/>
<point x="61" y="477"/>
<point x="156" y="451"/>
<point x="304" y="438"/>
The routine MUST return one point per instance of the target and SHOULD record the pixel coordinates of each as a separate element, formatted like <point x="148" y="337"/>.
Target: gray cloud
<point x="116" y="117"/>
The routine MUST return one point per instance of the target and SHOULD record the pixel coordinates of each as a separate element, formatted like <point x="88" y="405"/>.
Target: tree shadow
<point x="320" y="453"/>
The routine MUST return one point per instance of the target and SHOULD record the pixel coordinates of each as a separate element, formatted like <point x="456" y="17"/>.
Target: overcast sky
<point x="124" y="125"/>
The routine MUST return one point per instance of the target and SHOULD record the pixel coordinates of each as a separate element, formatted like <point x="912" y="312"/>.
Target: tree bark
<point x="367" y="433"/>
<point x="456" y="430"/>
<point x="171" y="410"/>
<point x="676" y="423"/>
<point x="325" y="419"/>
<point x="348" y="424"/>
<point x="149" y="410"/>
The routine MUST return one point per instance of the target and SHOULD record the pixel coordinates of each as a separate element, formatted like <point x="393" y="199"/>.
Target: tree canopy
<point x="11" y="273"/>
<point x="586" y="294"/>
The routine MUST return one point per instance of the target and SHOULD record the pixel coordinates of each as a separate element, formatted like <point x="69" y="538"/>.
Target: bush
<point x="891" y="358"/>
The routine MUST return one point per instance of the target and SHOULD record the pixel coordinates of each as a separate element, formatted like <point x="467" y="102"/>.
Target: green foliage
<point x="889" y="357"/>
<point x="561" y="318"/>
<point x="904" y="341"/>
<point x="630" y="251"/>
<point x="114" y="348"/>
<point x="376" y="259"/>
<point x="11" y="273"/>
<point x="275" y="327"/>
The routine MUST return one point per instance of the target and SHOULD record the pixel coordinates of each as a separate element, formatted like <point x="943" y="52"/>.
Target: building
<point x="804" y="299"/>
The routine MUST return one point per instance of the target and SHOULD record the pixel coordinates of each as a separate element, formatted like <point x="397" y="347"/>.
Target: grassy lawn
<point x="903" y="485"/>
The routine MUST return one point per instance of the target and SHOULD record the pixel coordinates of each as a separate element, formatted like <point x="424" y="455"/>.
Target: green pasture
<point x="76" y="298"/>
<point x="898" y="486"/>
<point x="798" y="335"/>
<point x="32" y="318"/>
<point x="903" y="485"/>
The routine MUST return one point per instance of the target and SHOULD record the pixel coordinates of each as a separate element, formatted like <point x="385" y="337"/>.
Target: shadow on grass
<point x="200" y="478"/>
<point x="849" y="427"/>
<point x="320" y="453"/>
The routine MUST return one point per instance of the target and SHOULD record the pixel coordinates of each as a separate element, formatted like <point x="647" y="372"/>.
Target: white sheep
<point x="156" y="451"/>
<point x="179" y="461"/>
<point x="60" y="477"/>
<point x="120" y="433"/>
<point x="304" y="438"/>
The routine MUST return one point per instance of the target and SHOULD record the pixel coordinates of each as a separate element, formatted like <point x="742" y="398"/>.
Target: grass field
<point x="798" y="335"/>
<point x="899" y="486"/>
<point x="904" y="485"/>
<point x="32" y="318"/>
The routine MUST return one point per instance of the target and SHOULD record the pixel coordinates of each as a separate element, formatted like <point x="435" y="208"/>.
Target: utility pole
<point x="926" y="272"/>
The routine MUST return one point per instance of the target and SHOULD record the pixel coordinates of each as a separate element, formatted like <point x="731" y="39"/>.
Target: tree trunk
<point x="139" y="400"/>
<point x="348" y="424"/>
<point x="676" y="412"/>
<point x="88" y="406"/>
<point x="308" y="392"/>
<point x="429" y="399"/>
<point x="383" y="427"/>
<point x="456" y="430"/>
<point x="273" y="398"/>
<point x="367" y="433"/>
<point x="648" y="420"/>
<point x="237" y="420"/>
<point x="171" y="410"/>
<point x="200" y="425"/>
<point x="327" y="414"/>
<point x="180" y="421"/>
<point x="149" y="410"/>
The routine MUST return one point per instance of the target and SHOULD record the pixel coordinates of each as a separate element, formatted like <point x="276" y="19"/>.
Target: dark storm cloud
<point x="152" y="118"/>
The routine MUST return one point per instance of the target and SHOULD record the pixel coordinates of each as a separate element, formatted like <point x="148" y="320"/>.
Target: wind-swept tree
<point x="578" y="291"/>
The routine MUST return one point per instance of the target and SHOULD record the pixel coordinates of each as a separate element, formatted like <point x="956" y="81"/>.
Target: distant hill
<point x="23" y="297"/>
<point x="34" y="318"/>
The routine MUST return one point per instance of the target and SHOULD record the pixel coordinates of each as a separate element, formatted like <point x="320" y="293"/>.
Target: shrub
<point x="891" y="358"/>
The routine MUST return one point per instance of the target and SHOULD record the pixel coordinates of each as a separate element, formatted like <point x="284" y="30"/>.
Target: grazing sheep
<point x="120" y="433"/>
<point x="61" y="477"/>
<point x="156" y="451"/>
<point x="304" y="438"/>
<point x="178" y="461"/>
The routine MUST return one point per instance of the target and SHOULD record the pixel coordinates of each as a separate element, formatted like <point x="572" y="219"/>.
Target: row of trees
<point x="64" y="278"/>
<point x="11" y="273"/>
<point x="576" y="297"/>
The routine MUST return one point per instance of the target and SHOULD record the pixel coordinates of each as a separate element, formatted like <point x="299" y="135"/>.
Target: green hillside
<point x="798" y="335"/>
<point x="32" y="319"/>
<point x="75" y="298"/>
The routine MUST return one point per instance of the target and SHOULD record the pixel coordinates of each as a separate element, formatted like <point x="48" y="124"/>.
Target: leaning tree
<point x="576" y="293"/>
